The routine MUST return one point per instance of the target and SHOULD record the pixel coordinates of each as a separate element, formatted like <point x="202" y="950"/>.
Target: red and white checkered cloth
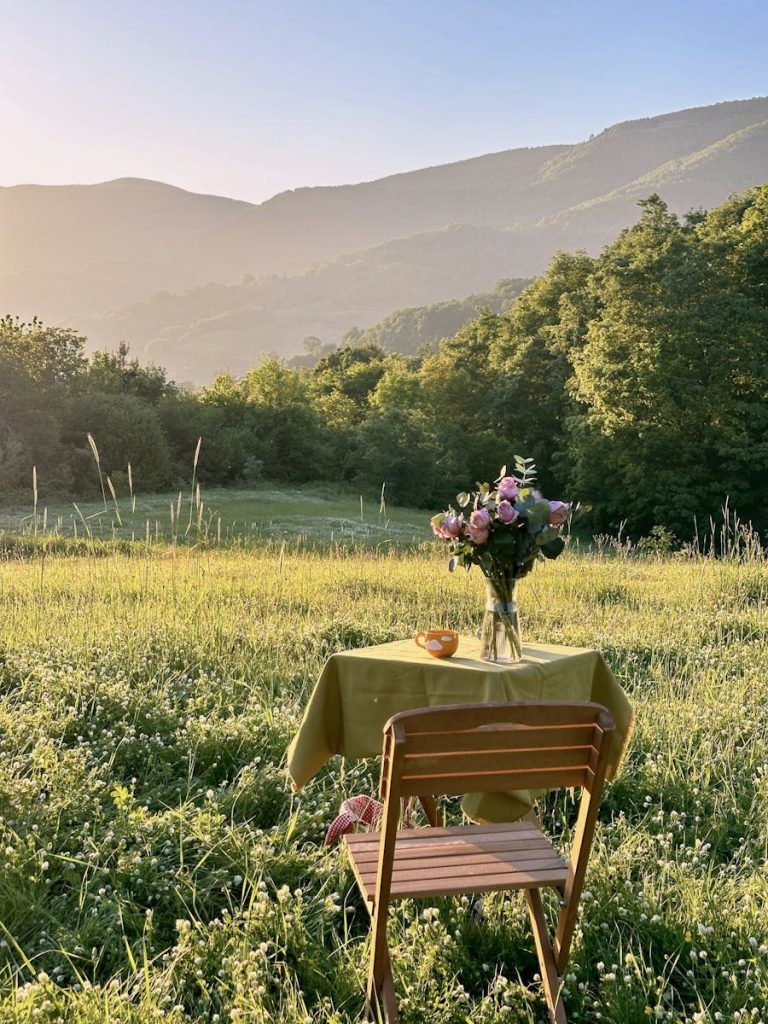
<point x="358" y="810"/>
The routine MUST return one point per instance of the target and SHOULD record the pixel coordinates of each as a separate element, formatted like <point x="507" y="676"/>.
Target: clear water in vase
<point x="500" y="640"/>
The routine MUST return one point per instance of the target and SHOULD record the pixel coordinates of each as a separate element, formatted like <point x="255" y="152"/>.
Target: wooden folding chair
<point x="482" y="748"/>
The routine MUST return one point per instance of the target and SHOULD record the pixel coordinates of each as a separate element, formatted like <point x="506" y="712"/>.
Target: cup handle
<point x="419" y="638"/>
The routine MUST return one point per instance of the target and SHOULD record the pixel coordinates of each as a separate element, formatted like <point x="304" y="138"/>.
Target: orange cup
<point x="440" y="643"/>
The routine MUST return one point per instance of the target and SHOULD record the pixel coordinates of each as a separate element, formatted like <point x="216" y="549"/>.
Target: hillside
<point x="236" y="279"/>
<point x="72" y="249"/>
<point x="407" y="330"/>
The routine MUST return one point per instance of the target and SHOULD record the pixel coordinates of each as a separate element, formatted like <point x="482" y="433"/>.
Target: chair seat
<point x="460" y="859"/>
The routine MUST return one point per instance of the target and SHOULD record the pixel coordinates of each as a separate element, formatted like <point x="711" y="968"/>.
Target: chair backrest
<point x="483" y="748"/>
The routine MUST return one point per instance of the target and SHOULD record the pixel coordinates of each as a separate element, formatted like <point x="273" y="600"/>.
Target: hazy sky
<point x="249" y="98"/>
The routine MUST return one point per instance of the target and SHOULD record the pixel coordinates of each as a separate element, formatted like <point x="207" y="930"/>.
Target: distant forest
<point x="637" y="380"/>
<point x="416" y="330"/>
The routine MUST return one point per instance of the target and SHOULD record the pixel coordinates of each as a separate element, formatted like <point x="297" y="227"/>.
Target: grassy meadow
<point x="155" y="864"/>
<point x="221" y="516"/>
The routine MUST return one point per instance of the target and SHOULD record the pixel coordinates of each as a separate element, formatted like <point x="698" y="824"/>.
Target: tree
<point x="292" y="441"/>
<point x="126" y="430"/>
<point x="114" y="372"/>
<point x="533" y="356"/>
<point x="399" y="387"/>
<point x="38" y="367"/>
<point x="274" y="386"/>
<point x="346" y="378"/>
<point x="393" y="449"/>
<point x="48" y="355"/>
<point x="459" y="401"/>
<point x="673" y="379"/>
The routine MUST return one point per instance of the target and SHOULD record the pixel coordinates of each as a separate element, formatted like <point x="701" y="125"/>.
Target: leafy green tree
<point x="673" y="377"/>
<point x="38" y="367"/>
<point x="346" y="378"/>
<point x="229" y="451"/>
<point x="29" y="433"/>
<point x="292" y="442"/>
<point x="394" y="449"/>
<point x="533" y="356"/>
<point x="399" y="387"/>
<point x="47" y="355"/>
<point x="114" y="372"/>
<point x="274" y="386"/>
<point x="460" y="402"/>
<point x="126" y="429"/>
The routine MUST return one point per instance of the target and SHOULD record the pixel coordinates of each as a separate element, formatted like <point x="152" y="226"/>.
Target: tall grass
<point x="155" y="863"/>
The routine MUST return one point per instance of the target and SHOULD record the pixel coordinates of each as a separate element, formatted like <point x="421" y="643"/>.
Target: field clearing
<point x="225" y="515"/>
<point x="156" y="865"/>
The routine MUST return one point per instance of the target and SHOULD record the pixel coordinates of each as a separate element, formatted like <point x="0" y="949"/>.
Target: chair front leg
<point x="549" y="976"/>
<point x="389" y="1002"/>
<point x="380" y="992"/>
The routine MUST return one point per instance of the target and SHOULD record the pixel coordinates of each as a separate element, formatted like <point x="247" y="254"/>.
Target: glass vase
<point x="500" y="632"/>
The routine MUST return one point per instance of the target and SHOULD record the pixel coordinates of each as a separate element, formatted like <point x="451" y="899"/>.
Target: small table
<point x="359" y="690"/>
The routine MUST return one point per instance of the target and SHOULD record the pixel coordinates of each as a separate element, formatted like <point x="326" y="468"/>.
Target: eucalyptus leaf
<point x="553" y="548"/>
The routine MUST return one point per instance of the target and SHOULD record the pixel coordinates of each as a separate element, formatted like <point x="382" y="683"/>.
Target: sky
<point x="247" y="99"/>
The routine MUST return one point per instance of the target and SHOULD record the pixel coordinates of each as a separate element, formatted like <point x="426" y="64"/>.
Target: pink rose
<point x="505" y="512"/>
<point x="446" y="525"/>
<point x="507" y="488"/>
<point x="452" y="526"/>
<point x="480" y="519"/>
<point x="558" y="512"/>
<point x="479" y="526"/>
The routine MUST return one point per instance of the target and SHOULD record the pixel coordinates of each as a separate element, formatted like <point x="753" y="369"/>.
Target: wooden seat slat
<point x="404" y="835"/>
<point x="469" y="866"/>
<point x="422" y="850"/>
<point x="417" y="837"/>
<point x="548" y="874"/>
<point x="492" y="883"/>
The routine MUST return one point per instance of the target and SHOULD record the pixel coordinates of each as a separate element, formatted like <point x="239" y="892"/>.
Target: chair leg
<point x="431" y="811"/>
<point x="391" y="1015"/>
<point x="380" y="994"/>
<point x="533" y="817"/>
<point x="549" y="975"/>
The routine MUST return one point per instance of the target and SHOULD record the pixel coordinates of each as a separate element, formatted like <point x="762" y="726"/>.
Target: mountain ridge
<point x="320" y="259"/>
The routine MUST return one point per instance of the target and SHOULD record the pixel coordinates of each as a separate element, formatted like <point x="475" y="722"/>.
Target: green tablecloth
<point x="359" y="690"/>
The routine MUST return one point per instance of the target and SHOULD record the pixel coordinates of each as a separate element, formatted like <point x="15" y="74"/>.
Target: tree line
<point x="637" y="380"/>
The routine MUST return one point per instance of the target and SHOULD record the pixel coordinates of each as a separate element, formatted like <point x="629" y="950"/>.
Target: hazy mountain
<point x="77" y="248"/>
<point x="321" y="260"/>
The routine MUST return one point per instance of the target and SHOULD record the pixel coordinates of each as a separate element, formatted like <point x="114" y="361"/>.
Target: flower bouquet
<point x="505" y="530"/>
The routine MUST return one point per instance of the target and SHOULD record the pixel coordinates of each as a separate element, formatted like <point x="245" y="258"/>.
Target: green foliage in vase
<point x="511" y="525"/>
